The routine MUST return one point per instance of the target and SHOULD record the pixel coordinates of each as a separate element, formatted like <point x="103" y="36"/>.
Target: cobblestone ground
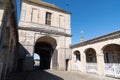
<point x="55" y="75"/>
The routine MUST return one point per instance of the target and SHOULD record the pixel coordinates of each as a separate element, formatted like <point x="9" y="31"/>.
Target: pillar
<point x="54" y="60"/>
<point x="83" y="61"/>
<point x="100" y="63"/>
<point x="61" y="59"/>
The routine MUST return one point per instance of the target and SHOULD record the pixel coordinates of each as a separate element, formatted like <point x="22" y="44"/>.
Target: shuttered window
<point x="34" y="15"/>
<point x="48" y="18"/>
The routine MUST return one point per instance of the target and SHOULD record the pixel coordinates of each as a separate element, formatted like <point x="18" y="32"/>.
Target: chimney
<point x="82" y="39"/>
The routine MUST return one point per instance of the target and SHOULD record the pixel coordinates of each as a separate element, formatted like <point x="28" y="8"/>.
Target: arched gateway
<point x="48" y="34"/>
<point x="45" y="47"/>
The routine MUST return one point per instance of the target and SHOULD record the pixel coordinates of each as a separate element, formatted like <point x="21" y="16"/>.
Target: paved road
<point x="56" y="75"/>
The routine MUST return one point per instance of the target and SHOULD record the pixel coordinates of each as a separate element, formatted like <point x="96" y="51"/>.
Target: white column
<point x="100" y="63"/>
<point x="83" y="61"/>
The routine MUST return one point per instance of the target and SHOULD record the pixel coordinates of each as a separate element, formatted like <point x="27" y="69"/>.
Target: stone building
<point x="8" y="37"/>
<point x="44" y="29"/>
<point x="100" y="55"/>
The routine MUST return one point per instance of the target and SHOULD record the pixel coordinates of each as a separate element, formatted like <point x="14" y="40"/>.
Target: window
<point x="78" y="56"/>
<point x="61" y="21"/>
<point x="39" y="14"/>
<point x="107" y="59"/>
<point x="48" y="18"/>
<point x="90" y="57"/>
<point x="23" y="14"/>
<point x="34" y="17"/>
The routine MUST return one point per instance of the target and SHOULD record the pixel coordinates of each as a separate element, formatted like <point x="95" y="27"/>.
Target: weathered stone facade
<point x="35" y="31"/>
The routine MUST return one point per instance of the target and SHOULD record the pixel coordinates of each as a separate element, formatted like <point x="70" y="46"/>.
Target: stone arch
<point x="48" y="39"/>
<point x="76" y="60"/>
<point x="45" y="47"/>
<point x="77" y="55"/>
<point x="90" y="55"/>
<point x="111" y="53"/>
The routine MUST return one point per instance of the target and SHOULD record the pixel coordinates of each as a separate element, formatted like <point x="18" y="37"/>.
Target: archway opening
<point x="36" y="60"/>
<point x="45" y="47"/>
<point x="91" y="56"/>
<point x="77" y="60"/>
<point x="77" y="55"/>
<point x="91" y="61"/>
<point x="112" y="53"/>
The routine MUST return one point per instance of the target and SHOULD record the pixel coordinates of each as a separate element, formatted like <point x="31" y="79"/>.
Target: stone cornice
<point x="44" y="28"/>
<point x="110" y="36"/>
<point x="45" y="31"/>
<point x="36" y="24"/>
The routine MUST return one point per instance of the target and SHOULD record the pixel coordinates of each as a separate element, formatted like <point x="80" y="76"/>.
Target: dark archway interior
<point x="45" y="50"/>
<point x="112" y="53"/>
<point x="77" y="54"/>
<point x="91" y="56"/>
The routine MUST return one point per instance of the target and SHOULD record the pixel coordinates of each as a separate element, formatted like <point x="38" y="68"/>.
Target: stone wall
<point x="26" y="16"/>
<point x="33" y="28"/>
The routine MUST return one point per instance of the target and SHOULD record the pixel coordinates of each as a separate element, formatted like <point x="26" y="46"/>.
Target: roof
<point x="46" y="4"/>
<point x="109" y="36"/>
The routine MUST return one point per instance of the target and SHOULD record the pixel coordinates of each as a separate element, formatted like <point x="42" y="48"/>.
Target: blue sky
<point x="91" y="18"/>
<point x="18" y="9"/>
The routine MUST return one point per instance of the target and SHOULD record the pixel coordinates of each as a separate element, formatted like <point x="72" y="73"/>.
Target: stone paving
<point x="56" y="75"/>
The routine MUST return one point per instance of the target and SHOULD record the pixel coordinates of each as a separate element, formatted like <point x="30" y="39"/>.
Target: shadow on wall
<point x="53" y="62"/>
<point x="25" y="62"/>
<point x="36" y="75"/>
<point x="23" y="59"/>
